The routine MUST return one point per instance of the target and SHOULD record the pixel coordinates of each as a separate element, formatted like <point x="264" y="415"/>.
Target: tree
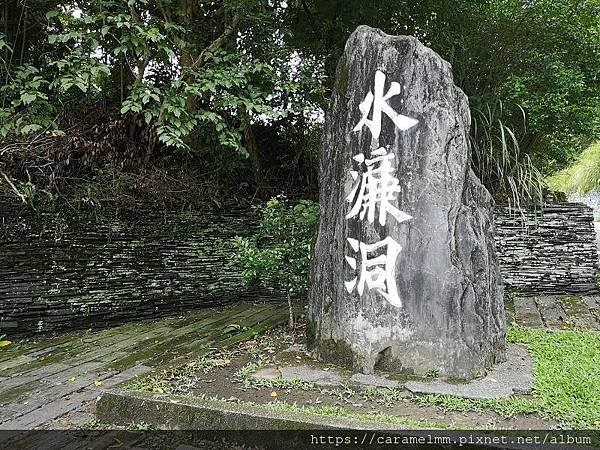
<point x="201" y="74"/>
<point x="206" y="78"/>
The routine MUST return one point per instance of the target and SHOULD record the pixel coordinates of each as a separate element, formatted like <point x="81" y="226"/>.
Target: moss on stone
<point x="568" y="300"/>
<point x="403" y="377"/>
<point x="10" y="395"/>
<point x="342" y="86"/>
<point x="338" y="353"/>
<point x="310" y="334"/>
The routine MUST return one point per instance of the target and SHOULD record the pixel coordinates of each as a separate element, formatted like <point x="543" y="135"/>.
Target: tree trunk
<point x="250" y="144"/>
<point x="405" y="275"/>
<point x="291" y="310"/>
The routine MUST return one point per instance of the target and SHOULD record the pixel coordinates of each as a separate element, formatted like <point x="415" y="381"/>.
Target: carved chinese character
<point x="376" y="189"/>
<point x="376" y="272"/>
<point x="378" y="102"/>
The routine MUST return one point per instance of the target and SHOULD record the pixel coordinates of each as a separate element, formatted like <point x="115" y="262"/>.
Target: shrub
<point x="278" y="255"/>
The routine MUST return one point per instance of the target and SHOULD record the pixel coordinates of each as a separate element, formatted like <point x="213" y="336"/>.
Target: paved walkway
<point x="53" y="383"/>
<point x="556" y="312"/>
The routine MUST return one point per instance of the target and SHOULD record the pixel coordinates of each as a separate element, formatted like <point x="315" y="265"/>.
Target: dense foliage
<point x="279" y="255"/>
<point x="236" y="88"/>
<point x="209" y="80"/>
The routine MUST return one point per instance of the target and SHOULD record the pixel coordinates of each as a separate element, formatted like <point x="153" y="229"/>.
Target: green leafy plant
<point x="183" y="378"/>
<point x="432" y="373"/>
<point x="540" y="55"/>
<point x="278" y="255"/>
<point x="194" y="79"/>
<point x="140" y="426"/>
<point x="26" y="108"/>
<point x="387" y="396"/>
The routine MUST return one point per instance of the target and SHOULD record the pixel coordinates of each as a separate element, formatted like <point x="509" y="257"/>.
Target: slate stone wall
<point x="67" y="269"/>
<point x="70" y="269"/>
<point x="553" y="252"/>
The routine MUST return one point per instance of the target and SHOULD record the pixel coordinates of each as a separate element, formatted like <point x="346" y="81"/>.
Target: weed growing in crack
<point x="182" y="379"/>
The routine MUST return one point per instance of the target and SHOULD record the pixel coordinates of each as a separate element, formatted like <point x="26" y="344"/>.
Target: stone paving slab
<point x="45" y="380"/>
<point x="578" y="312"/>
<point x="322" y="377"/>
<point x="556" y="312"/>
<point x="372" y="380"/>
<point x="552" y="312"/>
<point x="527" y="313"/>
<point x="66" y="403"/>
<point x="592" y="302"/>
<point x="514" y="376"/>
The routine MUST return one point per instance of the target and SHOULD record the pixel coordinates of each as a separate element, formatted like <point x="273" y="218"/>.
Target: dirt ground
<point x="232" y="381"/>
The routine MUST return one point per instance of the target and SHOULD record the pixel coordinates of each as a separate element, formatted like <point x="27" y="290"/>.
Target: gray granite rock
<point x="373" y="380"/>
<point x="451" y="316"/>
<point x="312" y="375"/>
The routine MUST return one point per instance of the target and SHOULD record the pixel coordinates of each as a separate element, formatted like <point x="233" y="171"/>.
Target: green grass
<point x="582" y="176"/>
<point x="567" y="380"/>
<point x="249" y="369"/>
<point x="337" y="411"/>
<point x="140" y="426"/>
<point x="181" y="379"/>
<point x="386" y="396"/>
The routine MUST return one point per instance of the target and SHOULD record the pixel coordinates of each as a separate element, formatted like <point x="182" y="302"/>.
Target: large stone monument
<point x="404" y="276"/>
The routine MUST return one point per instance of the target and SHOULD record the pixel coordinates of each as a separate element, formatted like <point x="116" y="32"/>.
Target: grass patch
<point x="582" y="176"/>
<point x="140" y="426"/>
<point x="566" y="365"/>
<point x="248" y="369"/>
<point x="386" y="396"/>
<point x="244" y="376"/>
<point x="181" y="379"/>
<point x="337" y="411"/>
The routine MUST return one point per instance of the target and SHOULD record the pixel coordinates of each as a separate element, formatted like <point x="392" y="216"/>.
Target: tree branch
<point x="13" y="187"/>
<point x="218" y="42"/>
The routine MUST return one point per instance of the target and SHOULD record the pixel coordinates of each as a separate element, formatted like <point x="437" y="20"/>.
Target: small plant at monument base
<point x="432" y="373"/>
<point x="140" y="426"/>
<point x="278" y="256"/>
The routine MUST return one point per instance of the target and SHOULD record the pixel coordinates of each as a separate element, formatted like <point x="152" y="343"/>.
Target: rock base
<point x="513" y="376"/>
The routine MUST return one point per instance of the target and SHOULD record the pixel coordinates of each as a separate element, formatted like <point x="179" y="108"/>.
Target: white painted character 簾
<point x="376" y="189"/>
